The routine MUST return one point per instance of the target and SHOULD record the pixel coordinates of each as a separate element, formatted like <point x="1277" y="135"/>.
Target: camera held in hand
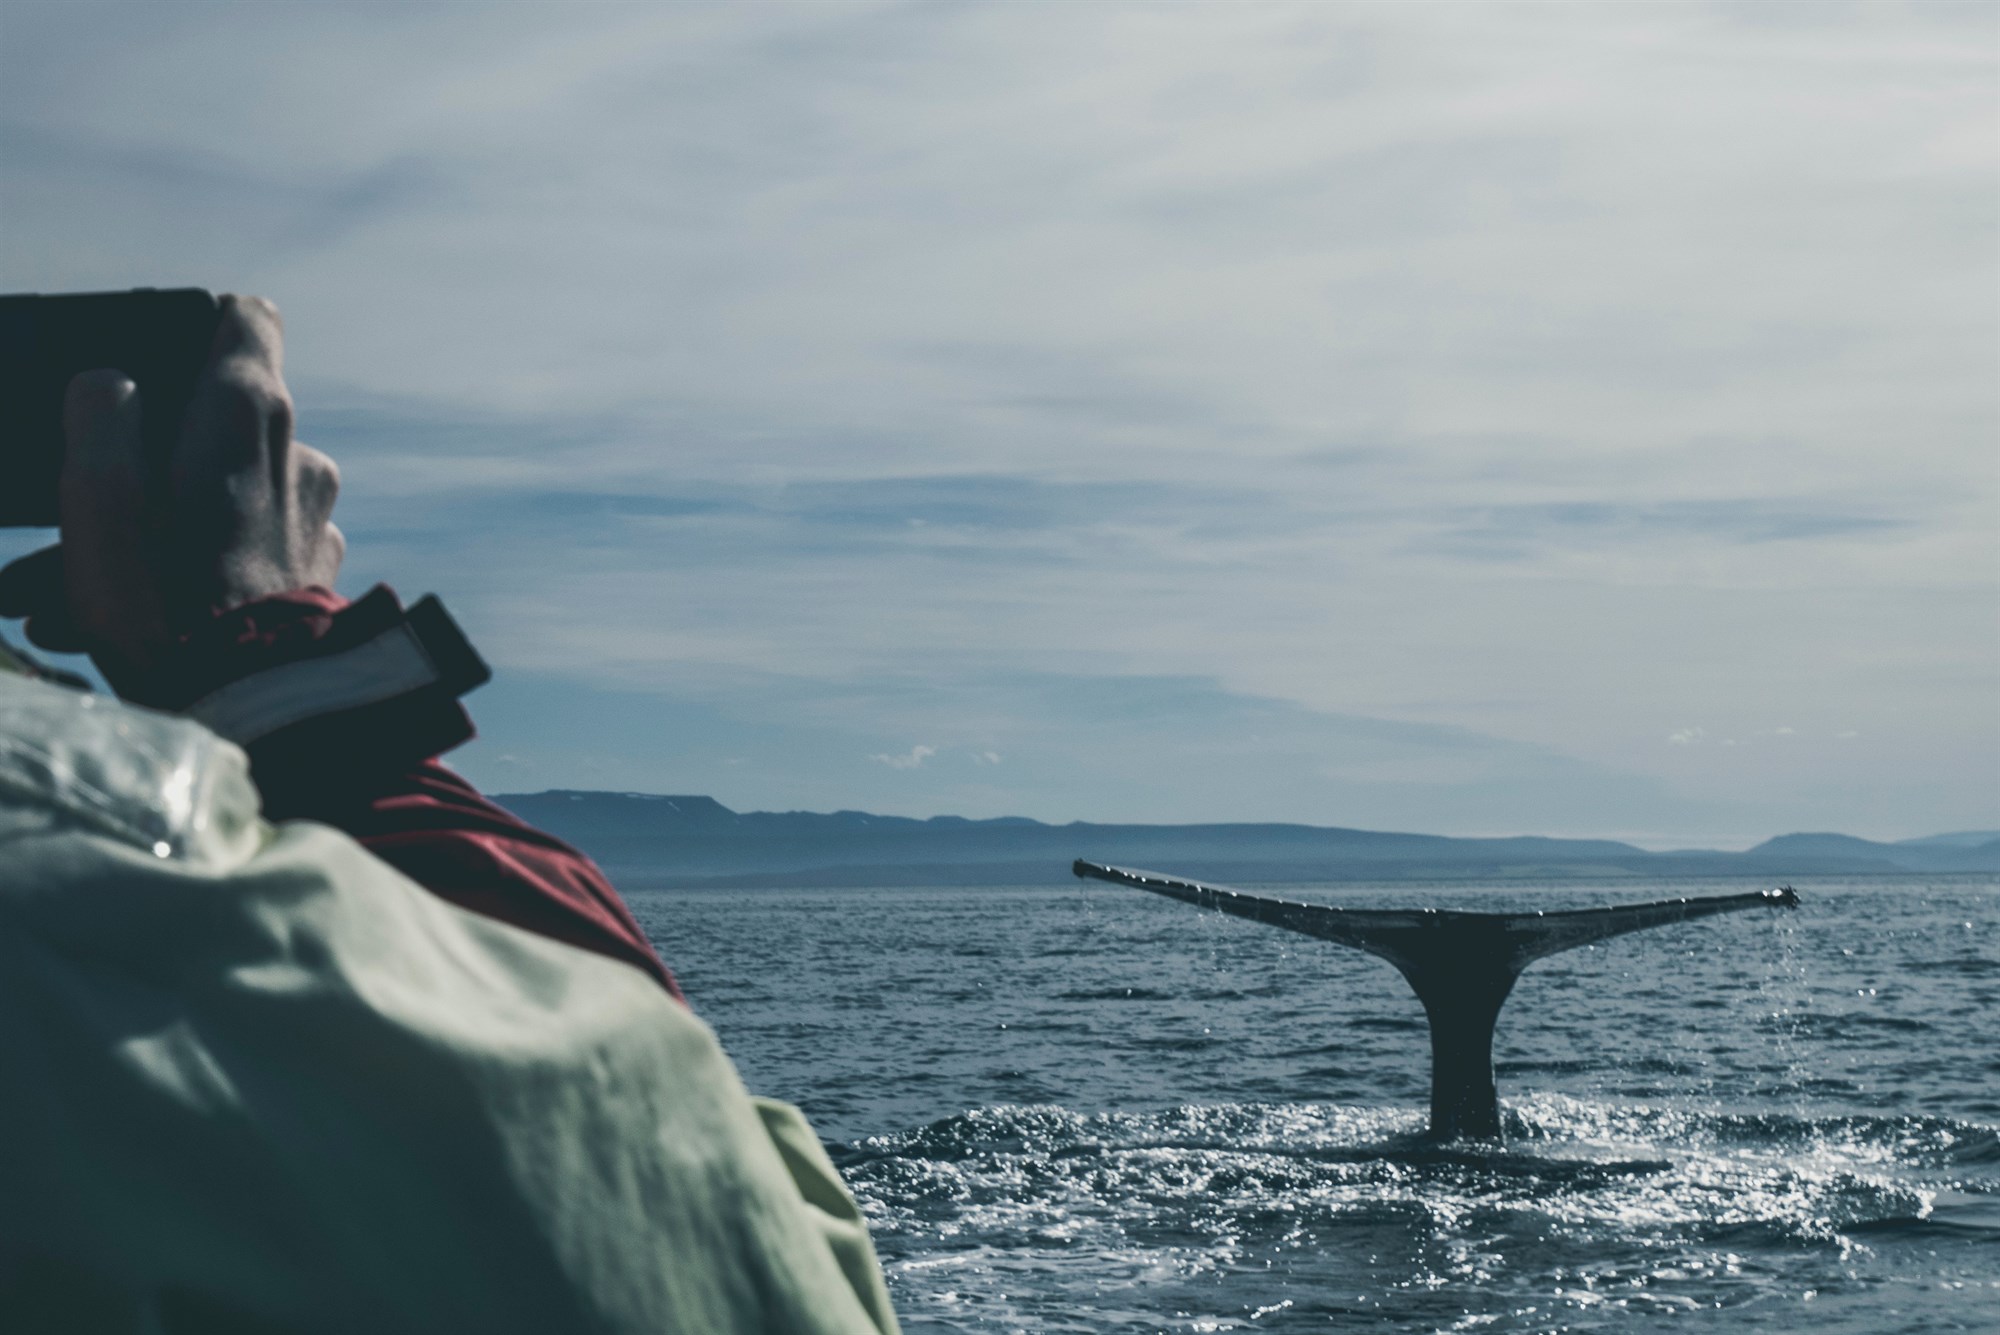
<point x="160" y="337"/>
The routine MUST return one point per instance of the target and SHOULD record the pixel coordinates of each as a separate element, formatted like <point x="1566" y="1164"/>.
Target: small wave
<point x="1917" y="1227"/>
<point x="1855" y="1024"/>
<point x="1576" y="1166"/>
<point x="1676" y="1208"/>
<point x="1967" y="1212"/>
<point x="1385" y="1024"/>
<point x="1971" y="965"/>
<point x="1977" y="1145"/>
<point x="1911" y="1140"/>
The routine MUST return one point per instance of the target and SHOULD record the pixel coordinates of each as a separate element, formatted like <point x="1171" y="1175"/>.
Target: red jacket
<point x="371" y="769"/>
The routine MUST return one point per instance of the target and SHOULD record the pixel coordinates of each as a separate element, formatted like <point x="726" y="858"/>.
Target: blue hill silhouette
<point x="653" y="839"/>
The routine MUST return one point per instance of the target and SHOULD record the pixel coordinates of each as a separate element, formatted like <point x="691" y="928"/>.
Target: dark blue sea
<point x="1089" y="1109"/>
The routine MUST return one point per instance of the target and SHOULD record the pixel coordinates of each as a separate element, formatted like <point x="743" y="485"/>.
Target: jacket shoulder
<point x="72" y="761"/>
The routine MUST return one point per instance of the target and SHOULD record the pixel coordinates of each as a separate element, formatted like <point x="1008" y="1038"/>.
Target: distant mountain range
<point x="648" y="840"/>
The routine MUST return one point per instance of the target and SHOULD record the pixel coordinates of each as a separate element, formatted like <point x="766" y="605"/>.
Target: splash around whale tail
<point x="1462" y="966"/>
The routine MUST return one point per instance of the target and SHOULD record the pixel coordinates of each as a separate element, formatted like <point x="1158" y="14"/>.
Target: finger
<point x="103" y="472"/>
<point x="318" y="482"/>
<point x="331" y="552"/>
<point x="249" y="327"/>
<point x="32" y="583"/>
<point x="239" y="421"/>
<point x="109" y="583"/>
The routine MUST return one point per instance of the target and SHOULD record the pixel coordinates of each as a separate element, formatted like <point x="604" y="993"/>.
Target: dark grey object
<point x="1461" y="965"/>
<point x="161" y="338"/>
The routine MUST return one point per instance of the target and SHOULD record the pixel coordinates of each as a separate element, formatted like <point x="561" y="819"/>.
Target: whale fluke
<point x="1461" y="965"/>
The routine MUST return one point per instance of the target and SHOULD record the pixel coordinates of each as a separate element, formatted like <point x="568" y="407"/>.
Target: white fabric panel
<point x="392" y="664"/>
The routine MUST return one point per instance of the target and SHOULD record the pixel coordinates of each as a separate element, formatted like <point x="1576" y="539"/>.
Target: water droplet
<point x="162" y="849"/>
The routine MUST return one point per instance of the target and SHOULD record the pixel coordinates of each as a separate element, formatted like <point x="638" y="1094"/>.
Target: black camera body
<point x="160" y="337"/>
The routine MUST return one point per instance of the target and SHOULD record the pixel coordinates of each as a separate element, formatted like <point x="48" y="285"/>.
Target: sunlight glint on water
<point x="1083" y="1109"/>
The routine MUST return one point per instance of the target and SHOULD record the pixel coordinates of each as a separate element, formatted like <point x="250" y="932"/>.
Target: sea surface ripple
<point x="1089" y="1109"/>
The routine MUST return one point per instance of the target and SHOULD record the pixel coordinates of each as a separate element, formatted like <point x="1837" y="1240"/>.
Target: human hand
<point x="242" y="513"/>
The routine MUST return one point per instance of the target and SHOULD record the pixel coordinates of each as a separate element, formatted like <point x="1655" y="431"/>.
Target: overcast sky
<point x="1573" y="419"/>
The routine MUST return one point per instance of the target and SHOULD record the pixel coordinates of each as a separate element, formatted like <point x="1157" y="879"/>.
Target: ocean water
<point x="1090" y="1109"/>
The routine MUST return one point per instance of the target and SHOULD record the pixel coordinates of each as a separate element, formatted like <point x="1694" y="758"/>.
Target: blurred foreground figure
<point x="396" y="1062"/>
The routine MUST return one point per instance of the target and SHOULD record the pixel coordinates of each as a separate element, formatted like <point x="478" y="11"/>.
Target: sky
<point x="1484" y="419"/>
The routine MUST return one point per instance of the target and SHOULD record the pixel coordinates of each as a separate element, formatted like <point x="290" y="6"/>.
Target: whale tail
<point x="1461" y="965"/>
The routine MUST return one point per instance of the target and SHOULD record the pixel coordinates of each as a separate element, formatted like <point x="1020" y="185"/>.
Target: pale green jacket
<point x="253" y="1079"/>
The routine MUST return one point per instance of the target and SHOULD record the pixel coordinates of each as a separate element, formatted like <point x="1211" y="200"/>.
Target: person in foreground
<point x="297" y="1031"/>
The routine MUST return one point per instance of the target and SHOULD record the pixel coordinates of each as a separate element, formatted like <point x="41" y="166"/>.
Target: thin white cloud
<point x="914" y="758"/>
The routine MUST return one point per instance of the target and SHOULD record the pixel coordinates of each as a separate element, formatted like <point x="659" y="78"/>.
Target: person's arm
<point x="206" y="593"/>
